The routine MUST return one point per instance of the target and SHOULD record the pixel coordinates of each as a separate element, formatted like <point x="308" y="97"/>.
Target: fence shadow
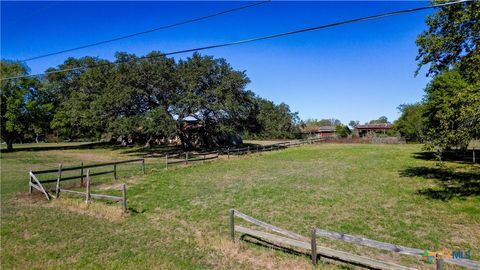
<point x="266" y="244"/>
<point x="452" y="184"/>
<point x="263" y="243"/>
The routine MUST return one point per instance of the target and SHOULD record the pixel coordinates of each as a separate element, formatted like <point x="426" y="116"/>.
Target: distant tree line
<point x="199" y="100"/>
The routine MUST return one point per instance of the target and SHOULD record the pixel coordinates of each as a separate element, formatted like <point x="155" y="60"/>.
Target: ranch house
<point x="324" y="132"/>
<point x="370" y="129"/>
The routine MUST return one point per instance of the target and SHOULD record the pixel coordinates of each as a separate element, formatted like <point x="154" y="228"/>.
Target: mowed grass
<point x="178" y="219"/>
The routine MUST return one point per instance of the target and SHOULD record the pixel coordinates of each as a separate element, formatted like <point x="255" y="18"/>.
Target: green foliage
<point x="24" y="111"/>
<point x="141" y="99"/>
<point x="450" y="48"/>
<point x="380" y="120"/>
<point x="452" y="37"/>
<point x="411" y="123"/>
<point x="342" y="131"/>
<point x="353" y="123"/>
<point x="313" y="123"/>
<point x="452" y="111"/>
<point x="214" y="94"/>
<point x="268" y="120"/>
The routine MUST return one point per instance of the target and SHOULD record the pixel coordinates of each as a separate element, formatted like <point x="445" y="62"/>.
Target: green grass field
<point x="178" y="219"/>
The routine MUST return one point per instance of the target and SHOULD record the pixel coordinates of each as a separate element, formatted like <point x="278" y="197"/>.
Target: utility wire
<point x="147" y="31"/>
<point x="253" y="39"/>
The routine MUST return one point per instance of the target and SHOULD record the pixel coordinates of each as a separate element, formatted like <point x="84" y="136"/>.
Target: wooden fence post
<point x="57" y="189"/>
<point x="228" y="152"/>
<point x="439" y="263"/>
<point x="115" y="171"/>
<point x="217" y="154"/>
<point x="186" y="158"/>
<point x="87" y="199"/>
<point x="313" y="244"/>
<point x="232" y="225"/>
<point x="60" y="171"/>
<point x="30" y="181"/>
<point x="248" y="150"/>
<point x="124" y="198"/>
<point x="143" y="166"/>
<point x="81" y="175"/>
<point x="473" y="155"/>
<point x="166" y="161"/>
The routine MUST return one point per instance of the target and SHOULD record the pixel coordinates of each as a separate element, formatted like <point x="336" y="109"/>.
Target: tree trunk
<point x="149" y="142"/>
<point x="36" y="137"/>
<point x="9" y="145"/>
<point x="186" y="144"/>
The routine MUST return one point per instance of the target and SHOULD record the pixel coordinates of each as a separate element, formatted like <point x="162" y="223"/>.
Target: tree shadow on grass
<point x="40" y="147"/>
<point x="454" y="156"/>
<point x="451" y="184"/>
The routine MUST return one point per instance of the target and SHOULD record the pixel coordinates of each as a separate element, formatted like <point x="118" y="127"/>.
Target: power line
<point x="253" y="39"/>
<point x="147" y="31"/>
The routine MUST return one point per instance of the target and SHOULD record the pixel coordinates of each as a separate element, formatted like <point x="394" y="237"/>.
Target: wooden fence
<point x="34" y="182"/>
<point x="188" y="157"/>
<point x="88" y="195"/>
<point x="285" y="237"/>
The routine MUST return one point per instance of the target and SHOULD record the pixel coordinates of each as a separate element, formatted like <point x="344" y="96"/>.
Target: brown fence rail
<point x="189" y="157"/>
<point x="88" y="195"/>
<point x="285" y="237"/>
<point x="82" y="167"/>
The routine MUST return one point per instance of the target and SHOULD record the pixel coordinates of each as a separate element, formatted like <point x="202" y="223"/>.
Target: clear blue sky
<point x="352" y="72"/>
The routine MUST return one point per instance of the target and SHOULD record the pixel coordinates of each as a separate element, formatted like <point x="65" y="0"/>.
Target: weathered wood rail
<point x="394" y="248"/>
<point x="285" y="237"/>
<point x="81" y="169"/>
<point x="188" y="157"/>
<point x="88" y="195"/>
<point x="35" y="183"/>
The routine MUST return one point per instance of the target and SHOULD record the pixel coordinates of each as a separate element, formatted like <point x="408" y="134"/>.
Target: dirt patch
<point x="131" y="181"/>
<point x="88" y="158"/>
<point x="93" y="209"/>
<point x="243" y="254"/>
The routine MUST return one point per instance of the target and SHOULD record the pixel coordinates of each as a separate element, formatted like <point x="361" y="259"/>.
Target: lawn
<point x="178" y="219"/>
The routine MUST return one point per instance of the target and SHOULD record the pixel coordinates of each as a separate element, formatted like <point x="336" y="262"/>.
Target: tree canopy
<point x="450" y="48"/>
<point x="451" y="40"/>
<point x="411" y="123"/>
<point x="200" y="99"/>
<point x="25" y="109"/>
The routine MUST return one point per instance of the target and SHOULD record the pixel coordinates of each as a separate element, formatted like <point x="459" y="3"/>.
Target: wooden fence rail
<point x="88" y="195"/>
<point x="91" y="166"/>
<point x="393" y="248"/>
<point x="292" y="239"/>
<point x="188" y="157"/>
<point x="81" y="168"/>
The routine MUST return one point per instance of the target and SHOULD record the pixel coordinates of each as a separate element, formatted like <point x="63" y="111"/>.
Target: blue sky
<point x="353" y="72"/>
